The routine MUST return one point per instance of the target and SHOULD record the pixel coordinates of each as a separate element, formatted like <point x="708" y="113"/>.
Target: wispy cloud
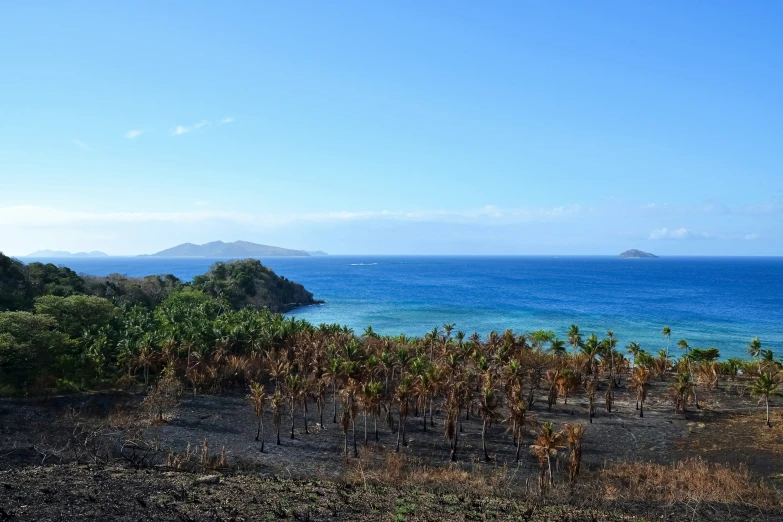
<point x="134" y="133"/>
<point x="229" y="119"/>
<point x="489" y="215"/>
<point x="181" y="129"/>
<point x="82" y="145"/>
<point x="679" y="233"/>
<point x="752" y="236"/>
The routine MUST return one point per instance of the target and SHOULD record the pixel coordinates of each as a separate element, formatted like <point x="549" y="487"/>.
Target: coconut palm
<point x="257" y="399"/>
<point x="591" y="387"/>
<point x="517" y="416"/>
<point x="574" y="434"/>
<point x="277" y="408"/>
<point x="681" y="392"/>
<point x="640" y="381"/>
<point x="754" y="350"/>
<point x="668" y="333"/>
<point x="634" y="349"/>
<point x="591" y="348"/>
<point x="764" y="387"/>
<point x="574" y="338"/>
<point x="546" y="446"/>
<point x="683" y="344"/>
<point x="487" y="405"/>
<point x="403" y="396"/>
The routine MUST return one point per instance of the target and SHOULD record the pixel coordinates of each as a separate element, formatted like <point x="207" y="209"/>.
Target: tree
<point x="29" y="345"/>
<point x="574" y="434"/>
<point x="164" y="396"/>
<point x="640" y="381"/>
<point x="668" y="333"/>
<point x="257" y="399"/>
<point x="517" y="417"/>
<point x="754" y="350"/>
<point x="574" y="338"/>
<point x="277" y="410"/>
<point x="681" y="392"/>
<point x="590" y="348"/>
<point x="487" y="405"/>
<point x="403" y="395"/>
<point x="591" y="387"/>
<point x="546" y="446"/>
<point x="764" y="387"/>
<point x="683" y="344"/>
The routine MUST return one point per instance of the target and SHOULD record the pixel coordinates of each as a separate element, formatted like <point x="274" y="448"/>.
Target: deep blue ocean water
<point x="720" y="302"/>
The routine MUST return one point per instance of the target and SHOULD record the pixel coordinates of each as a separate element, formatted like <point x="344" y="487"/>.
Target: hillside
<point x="237" y="249"/>
<point x="248" y="282"/>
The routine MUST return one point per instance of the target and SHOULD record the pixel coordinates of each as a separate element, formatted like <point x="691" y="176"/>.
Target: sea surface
<point x="718" y="301"/>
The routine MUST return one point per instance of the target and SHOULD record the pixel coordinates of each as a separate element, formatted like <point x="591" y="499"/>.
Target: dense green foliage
<point x="61" y="331"/>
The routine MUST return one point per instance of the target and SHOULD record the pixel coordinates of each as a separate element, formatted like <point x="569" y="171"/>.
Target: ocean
<point x="720" y="302"/>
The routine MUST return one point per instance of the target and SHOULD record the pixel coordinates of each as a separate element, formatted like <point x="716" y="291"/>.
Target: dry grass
<point x="688" y="481"/>
<point x="387" y="468"/>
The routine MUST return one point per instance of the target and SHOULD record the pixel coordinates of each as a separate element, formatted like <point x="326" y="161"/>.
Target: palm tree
<point x="590" y="348"/>
<point x="765" y="386"/>
<point x="403" y="395"/>
<point x="591" y="387"/>
<point x="277" y="408"/>
<point x="681" y="391"/>
<point x="517" y="409"/>
<point x="634" y="349"/>
<point x="545" y="447"/>
<point x="754" y="350"/>
<point x="257" y="399"/>
<point x="557" y="347"/>
<point x="683" y="344"/>
<point x="668" y="333"/>
<point x="640" y="381"/>
<point x="574" y="338"/>
<point x="574" y="434"/>
<point x="294" y="387"/>
<point x="487" y="405"/>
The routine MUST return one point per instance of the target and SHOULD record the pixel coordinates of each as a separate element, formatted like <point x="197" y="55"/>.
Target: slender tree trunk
<point x="519" y="446"/>
<point x="304" y="417"/>
<point x="484" y="439"/>
<point x="766" y="399"/>
<point x="549" y="467"/>
<point x="365" y="427"/>
<point x="641" y="409"/>
<point x="375" y="420"/>
<point x="292" y="418"/>
<point x="262" y="436"/>
<point x="258" y="428"/>
<point x="399" y="435"/>
<point x="353" y="426"/>
<point x="432" y="421"/>
<point x="334" y="401"/>
<point x="321" y="415"/>
<point x="277" y="425"/>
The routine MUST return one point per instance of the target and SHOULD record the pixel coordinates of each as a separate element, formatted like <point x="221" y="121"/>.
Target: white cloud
<point x="30" y="215"/>
<point x="82" y="145"/>
<point x="752" y="236"/>
<point x="679" y="233"/>
<point x="134" y="133"/>
<point x="229" y="119"/>
<point x="181" y="129"/>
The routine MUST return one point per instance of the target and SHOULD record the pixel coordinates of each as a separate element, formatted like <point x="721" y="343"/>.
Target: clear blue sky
<point x="393" y="127"/>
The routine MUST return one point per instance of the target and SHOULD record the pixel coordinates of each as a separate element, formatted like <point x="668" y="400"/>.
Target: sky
<point x="393" y="127"/>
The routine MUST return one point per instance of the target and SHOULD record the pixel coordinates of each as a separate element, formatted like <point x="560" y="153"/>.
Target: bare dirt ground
<point x="285" y="480"/>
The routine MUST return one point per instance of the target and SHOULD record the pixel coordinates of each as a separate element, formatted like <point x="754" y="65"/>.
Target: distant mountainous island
<point x="235" y="249"/>
<point x="63" y="253"/>
<point x="635" y="254"/>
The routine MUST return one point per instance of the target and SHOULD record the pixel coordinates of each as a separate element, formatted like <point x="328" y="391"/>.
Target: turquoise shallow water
<point x="720" y="302"/>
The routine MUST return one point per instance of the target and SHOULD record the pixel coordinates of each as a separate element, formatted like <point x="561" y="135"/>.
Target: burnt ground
<point x="729" y="428"/>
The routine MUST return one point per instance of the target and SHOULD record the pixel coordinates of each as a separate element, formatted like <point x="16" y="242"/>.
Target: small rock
<point x="209" y="479"/>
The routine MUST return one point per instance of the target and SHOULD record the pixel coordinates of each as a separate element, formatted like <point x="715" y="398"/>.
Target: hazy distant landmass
<point x="634" y="254"/>
<point x="63" y="253"/>
<point x="316" y="252"/>
<point x="235" y="249"/>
